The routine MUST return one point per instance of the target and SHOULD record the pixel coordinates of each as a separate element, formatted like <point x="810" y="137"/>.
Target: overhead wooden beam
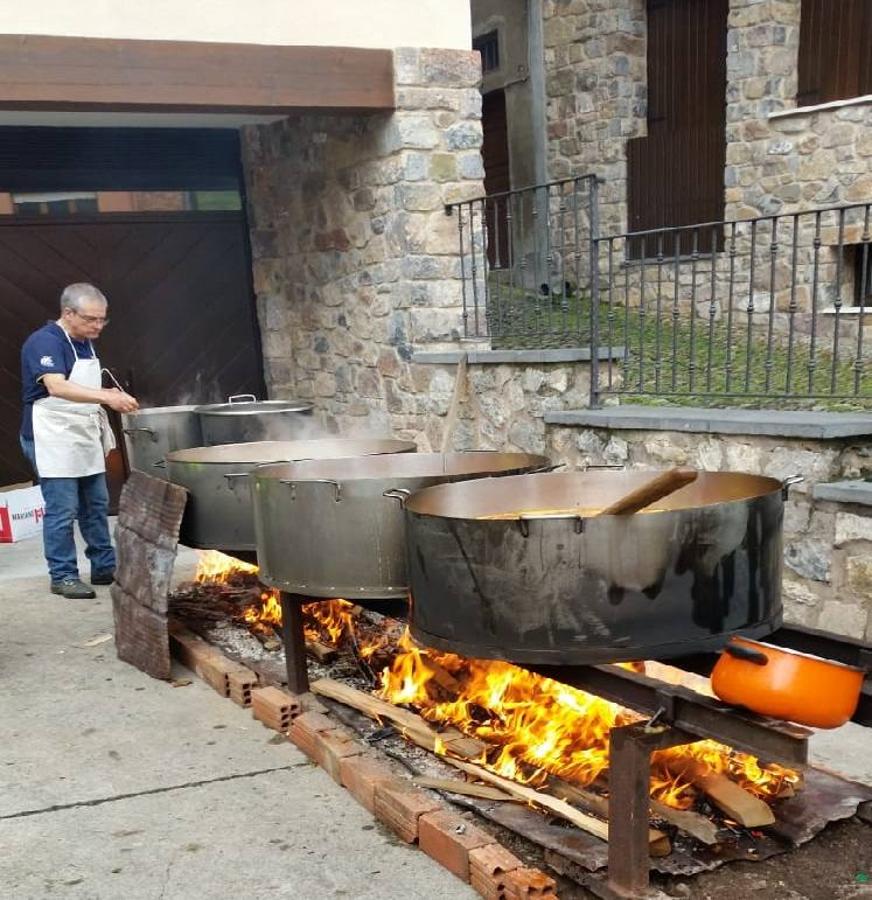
<point x="74" y="73"/>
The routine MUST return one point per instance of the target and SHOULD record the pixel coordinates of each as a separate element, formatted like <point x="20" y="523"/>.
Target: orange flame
<point x="538" y="726"/>
<point x="534" y="726"/>
<point x="216" y="567"/>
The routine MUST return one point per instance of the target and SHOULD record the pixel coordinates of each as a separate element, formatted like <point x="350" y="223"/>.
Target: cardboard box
<point x="21" y="512"/>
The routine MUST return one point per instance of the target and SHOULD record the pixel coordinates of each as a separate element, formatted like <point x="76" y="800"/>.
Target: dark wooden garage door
<point x="182" y="329"/>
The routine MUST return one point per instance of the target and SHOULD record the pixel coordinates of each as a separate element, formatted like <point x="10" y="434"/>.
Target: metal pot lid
<point x="285" y="451"/>
<point x="412" y="465"/>
<point x="254" y="407"/>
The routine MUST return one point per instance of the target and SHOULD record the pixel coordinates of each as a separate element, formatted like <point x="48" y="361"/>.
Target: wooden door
<point x="182" y="319"/>
<point x="497" y="178"/>
<point x="675" y="174"/>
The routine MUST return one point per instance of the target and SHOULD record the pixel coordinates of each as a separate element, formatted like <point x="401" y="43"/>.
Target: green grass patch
<point x="690" y="363"/>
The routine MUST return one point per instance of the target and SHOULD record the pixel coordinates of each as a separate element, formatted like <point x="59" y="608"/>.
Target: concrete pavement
<point x="115" y="785"/>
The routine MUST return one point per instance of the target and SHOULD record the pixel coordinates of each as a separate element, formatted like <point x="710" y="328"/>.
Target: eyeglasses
<point x="91" y="320"/>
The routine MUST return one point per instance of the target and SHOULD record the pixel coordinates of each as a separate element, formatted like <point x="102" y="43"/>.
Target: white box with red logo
<point x="21" y="512"/>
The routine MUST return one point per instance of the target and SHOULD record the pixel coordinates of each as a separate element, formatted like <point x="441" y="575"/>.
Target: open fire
<point x="533" y="726"/>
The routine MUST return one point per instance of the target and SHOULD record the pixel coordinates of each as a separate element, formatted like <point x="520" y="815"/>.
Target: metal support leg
<point x="630" y="749"/>
<point x="295" y="642"/>
<point x="629" y="777"/>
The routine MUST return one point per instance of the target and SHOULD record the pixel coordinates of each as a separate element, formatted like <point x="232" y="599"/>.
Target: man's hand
<point x="120" y="401"/>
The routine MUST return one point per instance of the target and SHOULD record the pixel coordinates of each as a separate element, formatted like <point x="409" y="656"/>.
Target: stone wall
<point x="354" y="258"/>
<point x="596" y="93"/>
<point x="502" y="406"/>
<point x="828" y="546"/>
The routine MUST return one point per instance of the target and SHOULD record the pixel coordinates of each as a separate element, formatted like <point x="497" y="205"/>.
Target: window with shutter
<point x="835" y="51"/>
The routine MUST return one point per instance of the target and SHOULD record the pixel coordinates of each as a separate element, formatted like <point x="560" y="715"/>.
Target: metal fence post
<point x="593" y="216"/>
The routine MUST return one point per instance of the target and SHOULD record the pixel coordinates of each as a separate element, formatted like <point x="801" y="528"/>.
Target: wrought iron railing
<point x="778" y="314"/>
<point x="754" y="312"/>
<point x="525" y="259"/>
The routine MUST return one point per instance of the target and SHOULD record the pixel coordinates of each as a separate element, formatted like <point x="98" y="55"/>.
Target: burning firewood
<point x="697" y="826"/>
<point x="421" y="732"/>
<point x="322" y="652"/>
<point x="658" y="845"/>
<point x="465" y="788"/>
<point x="742" y="807"/>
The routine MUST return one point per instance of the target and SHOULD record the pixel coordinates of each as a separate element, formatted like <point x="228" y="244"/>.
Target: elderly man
<point x="65" y="434"/>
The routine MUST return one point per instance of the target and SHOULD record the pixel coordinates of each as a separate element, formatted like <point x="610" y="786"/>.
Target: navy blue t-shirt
<point x="45" y="352"/>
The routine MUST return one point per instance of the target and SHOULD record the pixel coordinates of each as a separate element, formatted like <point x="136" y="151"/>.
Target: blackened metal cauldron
<point x="550" y="582"/>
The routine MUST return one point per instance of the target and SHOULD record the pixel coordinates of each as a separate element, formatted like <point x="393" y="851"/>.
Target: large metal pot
<point x="244" y="419"/>
<point x="149" y="434"/>
<point x="218" y="514"/>
<point x="570" y="587"/>
<point x="329" y="528"/>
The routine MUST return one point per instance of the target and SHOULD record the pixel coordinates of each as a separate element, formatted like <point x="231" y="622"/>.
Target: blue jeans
<point x="66" y="501"/>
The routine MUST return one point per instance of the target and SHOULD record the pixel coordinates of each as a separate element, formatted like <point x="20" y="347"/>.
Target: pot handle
<point x="337" y="486"/>
<point x="242" y="398"/>
<point x="231" y="475"/>
<point x="524" y="522"/>
<point x="748" y="654"/>
<point x="142" y="430"/>
<point x="401" y="494"/>
<point x="788" y="482"/>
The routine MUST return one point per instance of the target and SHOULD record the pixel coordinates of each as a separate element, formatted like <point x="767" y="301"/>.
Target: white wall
<point x="338" y="23"/>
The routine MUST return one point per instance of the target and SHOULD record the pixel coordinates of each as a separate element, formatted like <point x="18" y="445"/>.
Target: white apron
<point x="67" y="435"/>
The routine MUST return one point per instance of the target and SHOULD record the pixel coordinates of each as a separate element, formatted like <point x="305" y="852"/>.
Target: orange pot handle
<point x="748" y="654"/>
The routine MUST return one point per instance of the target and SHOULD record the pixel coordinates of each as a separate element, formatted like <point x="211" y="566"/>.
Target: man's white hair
<point x="75" y="294"/>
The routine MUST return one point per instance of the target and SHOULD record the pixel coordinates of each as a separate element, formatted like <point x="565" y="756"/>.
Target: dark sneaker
<point x="105" y="577"/>
<point x="72" y="589"/>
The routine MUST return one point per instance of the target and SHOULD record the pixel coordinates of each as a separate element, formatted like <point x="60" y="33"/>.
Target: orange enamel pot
<point x="785" y="684"/>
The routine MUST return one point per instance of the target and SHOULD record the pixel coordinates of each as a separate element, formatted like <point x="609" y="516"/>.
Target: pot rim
<point x="424" y="465"/>
<point x="739" y="639"/>
<point x="254" y="408"/>
<point x="298" y="450"/>
<point x="772" y="485"/>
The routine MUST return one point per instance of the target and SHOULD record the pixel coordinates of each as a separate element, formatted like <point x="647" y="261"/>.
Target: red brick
<point x="524" y="883"/>
<point x="240" y="683"/>
<point x="400" y="806"/>
<point x="273" y="707"/>
<point x="361" y="774"/>
<point x="448" y="838"/>
<point x="337" y="745"/>
<point x="307" y="730"/>
<point x="489" y="867"/>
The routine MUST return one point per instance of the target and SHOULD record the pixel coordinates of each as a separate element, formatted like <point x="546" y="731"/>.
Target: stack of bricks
<point x="274" y="707"/>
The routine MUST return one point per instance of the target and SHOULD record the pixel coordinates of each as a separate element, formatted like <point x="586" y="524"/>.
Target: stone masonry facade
<point x="355" y="261"/>
<point x="595" y="64"/>
<point x="777" y="162"/>
<point x="595" y="81"/>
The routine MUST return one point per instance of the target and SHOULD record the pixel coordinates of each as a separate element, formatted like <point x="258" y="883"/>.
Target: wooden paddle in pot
<point x="656" y="489"/>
